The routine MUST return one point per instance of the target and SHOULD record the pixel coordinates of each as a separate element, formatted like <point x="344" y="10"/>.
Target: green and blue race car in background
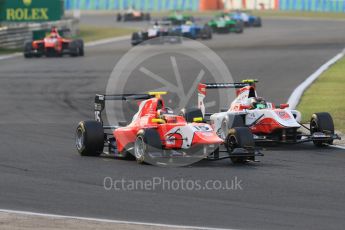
<point x="226" y="24"/>
<point x="178" y="18"/>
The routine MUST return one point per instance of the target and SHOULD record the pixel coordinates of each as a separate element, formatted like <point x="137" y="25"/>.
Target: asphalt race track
<point x="42" y="101"/>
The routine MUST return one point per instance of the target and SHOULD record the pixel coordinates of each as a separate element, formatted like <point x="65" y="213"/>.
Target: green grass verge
<point x="93" y="33"/>
<point x="4" y="51"/>
<point x="327" y="95"/>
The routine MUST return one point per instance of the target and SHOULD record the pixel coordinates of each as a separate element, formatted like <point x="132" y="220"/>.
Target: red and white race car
<point x="268" y="122"/>
<point x="155" y="135"/>
<point x="54" y="45"/>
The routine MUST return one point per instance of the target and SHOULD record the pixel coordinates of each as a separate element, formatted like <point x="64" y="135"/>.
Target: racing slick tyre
<point x="190" y="113"/>
<point x="323" y="123"/>
<point x="136" y="39"/>
<point x="127" y="17"/>
<point x="239" y="27"/>
<point x="229" y="122"/>
<point x="90" y="138"/>
<point x="147" y="17"/>
<point x="206" y="32"/>
<point x="147" y="140"/>
<point x="239" y="137"/>
<point x="74" y="48"/>
<point x="257" y="22"/>
<point x="28" y="50"/>
<point x="81" y="47"/>
<point x="119" y="17"/>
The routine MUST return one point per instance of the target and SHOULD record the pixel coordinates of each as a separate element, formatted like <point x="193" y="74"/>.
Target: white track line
<point x="106" y="41"/>
<point x="337" y="146"/>
<point x="108" y="220"/>
<point x="296" y="95"/>
<point x="3" y="57"/>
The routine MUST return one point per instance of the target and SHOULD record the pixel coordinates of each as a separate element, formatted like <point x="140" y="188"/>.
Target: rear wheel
<point x="89" y="138"/>
<point x="323" y="123"/>
<point x="190" y="113"/>
<point x="239" y="137"/>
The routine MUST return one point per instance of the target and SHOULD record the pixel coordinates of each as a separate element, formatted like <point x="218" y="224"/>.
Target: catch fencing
<point x="287" y="5"/>
<point x="146" y="5"/>
<point x="313" y="5"/>
<point x="197" y="5"/>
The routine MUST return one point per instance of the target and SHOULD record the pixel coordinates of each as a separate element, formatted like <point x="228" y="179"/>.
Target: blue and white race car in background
<point x="248" y="19"/>
<point x="159" y="33"/>
<point x="194" y="31"/>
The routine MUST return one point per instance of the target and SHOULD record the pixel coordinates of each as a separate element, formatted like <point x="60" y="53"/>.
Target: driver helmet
<point x="189" y="23"/>
<point x="258" y="103"/>
<point x="164" y="111"/>
<point x="54" y="30"/>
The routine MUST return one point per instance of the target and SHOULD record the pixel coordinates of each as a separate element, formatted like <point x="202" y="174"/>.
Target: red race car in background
<point x="54" y="45"/>
<point x="155" y="135"/>
<point x="133" y="15"/>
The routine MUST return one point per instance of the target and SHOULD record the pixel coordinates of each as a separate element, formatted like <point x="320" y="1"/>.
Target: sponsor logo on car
<point x="283" y="115"/>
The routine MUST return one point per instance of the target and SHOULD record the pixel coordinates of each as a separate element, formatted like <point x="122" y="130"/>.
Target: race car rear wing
<point x="236" y="85"/>
<point x="100" y="101"/>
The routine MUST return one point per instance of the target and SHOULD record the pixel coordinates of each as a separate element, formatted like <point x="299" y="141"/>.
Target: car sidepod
<point x="266" y="120"/>
<point x="187" y="136"/>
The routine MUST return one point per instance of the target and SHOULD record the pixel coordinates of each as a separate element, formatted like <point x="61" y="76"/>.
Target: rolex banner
<point x="31" y="10"/>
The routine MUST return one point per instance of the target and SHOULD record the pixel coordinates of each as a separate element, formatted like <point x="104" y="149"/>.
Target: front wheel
<point x="119" y="17"/>
<point x="147" y="141"/>
<point x="140" y="149"/>
<point x="229" y="122"/>
<point x="136" y="39"/>
<point x="239" y="27"/>
<point x="147" y="17"/>
<point x="323" y="123"/>
<point x="239" y="137"/>
<point x="28" y="50"/>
